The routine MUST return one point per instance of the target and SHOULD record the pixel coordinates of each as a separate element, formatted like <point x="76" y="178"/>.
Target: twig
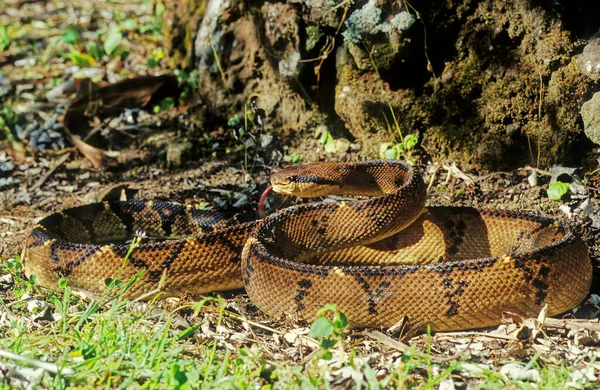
<point x="387" y="340"/>
<point x="15" y="217"/>
<point x="400" y="346"/>
<point x="50" y="171"/>
<point x="453" y="171"/>
<point x="538" y="170"/>
<point x="433" y="176"/>
<point x="454" y="335"/>
<point x="50" y="367"/>
<point x="572" y="324"/>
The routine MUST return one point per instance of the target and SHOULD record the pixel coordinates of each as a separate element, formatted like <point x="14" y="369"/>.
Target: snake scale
<point x="380" y="258"/>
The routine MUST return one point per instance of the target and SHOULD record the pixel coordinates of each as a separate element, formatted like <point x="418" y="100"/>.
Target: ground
<point x="60" y="341"/>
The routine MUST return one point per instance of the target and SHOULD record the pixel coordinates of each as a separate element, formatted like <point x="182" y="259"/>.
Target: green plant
<point x="392" y="151"/>
<point x="164" y="105"/>
<point x="241" y="133"/>
<point x="4" y="37"/>
<point x="80" y="59"/>
<point x="188" y="81"/>
<point x="154" y="61"/>
<point x="400" y="146"/>
<point x="557" y="190"/>
<point x="70" y="35"/>
<point x="113" y="39"/>
<point x="14" y="267"/>
<point x="8" y="118"/>
<point x="460" y="192"/>
<point x="326" y="139"/>
<point x="293" y="158"/>
<point x="329" y="328"/>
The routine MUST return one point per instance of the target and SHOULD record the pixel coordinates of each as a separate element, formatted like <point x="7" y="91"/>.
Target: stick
<point x="50" y="171"/>
<point x="50" y="367"/>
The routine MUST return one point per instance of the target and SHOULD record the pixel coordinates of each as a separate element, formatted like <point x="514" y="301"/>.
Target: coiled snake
<point x="379" y="259"/>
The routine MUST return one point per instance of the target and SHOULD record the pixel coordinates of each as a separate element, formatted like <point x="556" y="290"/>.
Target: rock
<point x="342" y="145"/>
<point x="6" y="168"/>
<point x="177" y="153"/>
<point x="589" y="61"/>
<point x="239" y="54"/>
<point x="367" y="104"/>
<point x="590" y="113"/>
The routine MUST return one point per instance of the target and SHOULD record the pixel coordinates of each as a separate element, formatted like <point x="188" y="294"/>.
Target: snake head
<point x="302" y="181"/>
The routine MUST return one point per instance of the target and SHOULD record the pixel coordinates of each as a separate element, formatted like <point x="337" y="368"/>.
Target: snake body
<point x="380" y="259"/>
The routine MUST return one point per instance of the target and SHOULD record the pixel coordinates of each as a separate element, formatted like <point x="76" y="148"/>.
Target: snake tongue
<point x="261" y="201"/>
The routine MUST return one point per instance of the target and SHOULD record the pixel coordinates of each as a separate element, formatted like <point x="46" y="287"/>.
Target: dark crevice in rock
<point x="580" y="17"/>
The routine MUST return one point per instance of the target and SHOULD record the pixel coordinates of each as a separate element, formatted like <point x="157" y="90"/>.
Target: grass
<point x="55" y="340"/>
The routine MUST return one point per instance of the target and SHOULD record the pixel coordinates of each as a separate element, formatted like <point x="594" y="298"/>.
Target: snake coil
<point x="380" y="259"/>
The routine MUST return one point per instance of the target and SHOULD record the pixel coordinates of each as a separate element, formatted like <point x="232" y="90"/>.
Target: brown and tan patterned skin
<point x="380" y="259"/>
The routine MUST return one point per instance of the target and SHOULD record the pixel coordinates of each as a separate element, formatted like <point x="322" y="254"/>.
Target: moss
<point x="313" y="35"/>
<point x="511" y="56"/>
<point x="383" y="54"/>
<point x="567" y="91"/>
<point x="180" y="21"/>
<point x="363" y="101"/>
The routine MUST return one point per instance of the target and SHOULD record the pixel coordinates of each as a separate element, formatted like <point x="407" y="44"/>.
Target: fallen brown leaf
<point x="106" y="100"/>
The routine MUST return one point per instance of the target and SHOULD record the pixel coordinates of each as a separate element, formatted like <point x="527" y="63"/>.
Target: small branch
<point x="50" y="367"/>
<point x="555" y="323"/>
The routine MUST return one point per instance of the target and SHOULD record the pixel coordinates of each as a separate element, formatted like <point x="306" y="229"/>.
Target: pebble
<point x="590" y="114"/>
<point x="589" y="60"/>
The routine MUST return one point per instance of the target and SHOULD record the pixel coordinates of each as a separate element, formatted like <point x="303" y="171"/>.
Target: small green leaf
<point x="294" y="158"/>
<point x="327" y="355"/>
<point x="165" y="104"/>
<point x="82" y="60"/>
<point x="113" y="39"/>
<point x="330" y="146"/>
<point x="152" y="63"/>
<point x="158" y="54"/>
<point x="113" y="283"/>
<point x="129" y="24"/>
<point x="14" y="264"/>
<point x="328" y="343"/>
<point x="96" y="51"/>
<point x="327" y="141"/>
<point x="371" y="377"/>
<point x="410" y="141"/>
<point x="186" y="332"/>
<point x="62" y="283"/>
<point x="557" y="190"/>
<point x="322" y="327"/>
<point x="70" y="35"/>
<point x="342" y="321"/>
<point x="4" y="38"/>
<point x="234" y="121"/>
<point x="324" y="137"/>
<point x="390" y="154"/>
<point x="329" y="307"/>
<point x="179" y="376"/>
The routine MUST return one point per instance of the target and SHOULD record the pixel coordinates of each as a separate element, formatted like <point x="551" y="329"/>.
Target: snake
<point x="382" y="257"/>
